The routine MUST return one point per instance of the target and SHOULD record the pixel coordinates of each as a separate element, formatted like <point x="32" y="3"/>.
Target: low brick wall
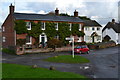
<point x="42" y="50"/>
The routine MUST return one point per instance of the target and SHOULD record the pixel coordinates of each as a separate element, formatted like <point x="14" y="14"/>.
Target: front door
<point x="43" y="41"/>
<point x="93" y="39"/>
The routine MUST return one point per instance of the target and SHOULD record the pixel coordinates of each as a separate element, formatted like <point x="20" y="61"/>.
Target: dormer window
<point x="28" y="24"/>
<point x="93" y="28"/>
<point x="56" y="26"/>
<point x="98" y="29"/>
<point x="70" y="26"/>
<point x="42" y="25"/>
<point x="80" y="27"/>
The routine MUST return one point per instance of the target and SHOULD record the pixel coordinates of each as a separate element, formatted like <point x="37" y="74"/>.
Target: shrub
<point x="53" y="43"/>
<point x="9" y="51"/>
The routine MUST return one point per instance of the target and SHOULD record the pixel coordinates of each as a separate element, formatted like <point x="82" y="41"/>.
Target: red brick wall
<point x="9" y="32"/>
<point x="21" y="36"/>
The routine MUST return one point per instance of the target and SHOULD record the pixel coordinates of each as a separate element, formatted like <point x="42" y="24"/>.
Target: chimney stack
<point x="11" y="9"/>
<point x="113" y="20"/>
<point x="57" y="12"/>
<point x="75" y="13"/>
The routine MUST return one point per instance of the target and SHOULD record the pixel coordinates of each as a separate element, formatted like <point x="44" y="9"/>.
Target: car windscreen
<point x="84" y="46"/>
<point x="78" y="47"/>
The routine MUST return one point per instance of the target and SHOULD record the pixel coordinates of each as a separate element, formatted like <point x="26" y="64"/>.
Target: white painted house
<point x="93" y="31"/>
<point x="112" y="29"/>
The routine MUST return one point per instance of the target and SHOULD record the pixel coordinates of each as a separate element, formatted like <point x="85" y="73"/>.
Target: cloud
<point x="97" y="9"/>
<point x="41" y="12"/>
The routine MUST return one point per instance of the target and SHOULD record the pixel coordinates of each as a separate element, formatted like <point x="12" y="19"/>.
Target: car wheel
<point x="88" y="52"/>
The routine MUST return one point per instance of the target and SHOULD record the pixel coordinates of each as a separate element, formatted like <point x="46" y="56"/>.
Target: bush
<point x="5" y="50"/>
<point x="53" y="43"/>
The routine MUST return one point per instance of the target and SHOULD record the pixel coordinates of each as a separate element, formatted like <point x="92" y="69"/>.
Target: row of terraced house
<point x="91" y="28"/>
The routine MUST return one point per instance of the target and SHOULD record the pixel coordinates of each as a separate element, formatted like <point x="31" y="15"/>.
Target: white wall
<point x="90" y="31"/>
<point x="118" y="38"/>
<point x="111" y="33"/>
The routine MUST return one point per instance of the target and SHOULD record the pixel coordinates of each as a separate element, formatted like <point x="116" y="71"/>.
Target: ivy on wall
<point x="63" y="30"/>
<point x="20" y="27"/>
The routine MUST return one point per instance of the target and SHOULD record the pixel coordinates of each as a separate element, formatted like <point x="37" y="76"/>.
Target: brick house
<point x="9" y="35"/>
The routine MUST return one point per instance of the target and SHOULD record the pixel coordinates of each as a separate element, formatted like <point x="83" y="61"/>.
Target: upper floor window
<point x="43" y="25"/>
<point x="3" y="29"/>
<point x="98" y="29"/>
<point x="4" y="39"/>
<point x="80" y="27"/>
<point x="93" y="28"/>
<point x="56" y="26"/>
<point x="87" y="28"/>
<point x="28" y="24"/>
<point x="70" y="26"/>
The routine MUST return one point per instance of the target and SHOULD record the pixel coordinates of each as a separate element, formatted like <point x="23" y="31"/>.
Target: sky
<point x="102" y="11"/>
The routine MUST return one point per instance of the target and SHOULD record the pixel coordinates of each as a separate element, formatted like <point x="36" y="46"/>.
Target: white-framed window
<point x="70" y="26"/>
<point x="3" y="29"/>
<point x="57" y="37"/>
<point x="4" y="39"/>
<point x="93" y="28"/>
<point x="56" y="26"/>
<point x="98" y="29"/>
<point x="80" y="27"/>
<point x="87" y="37"/>
<point x="28" y="24"/>
<point x="87" y="28"/>
<point x="28" y="39"/>
<point x="98" y="38"/>
<point x="42" y="25"/>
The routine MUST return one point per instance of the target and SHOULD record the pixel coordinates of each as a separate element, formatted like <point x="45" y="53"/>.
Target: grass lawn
<point x="67" y="59"/>
<point x="22" y="71"/>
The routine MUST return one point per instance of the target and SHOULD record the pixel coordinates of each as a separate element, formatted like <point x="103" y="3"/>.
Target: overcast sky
<point x="102" y="11"/>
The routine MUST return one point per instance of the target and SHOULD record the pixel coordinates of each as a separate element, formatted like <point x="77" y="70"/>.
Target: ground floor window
<point x="4" y="39"/>
<point x="98" y="38"/>
<point x="28" y="39"/>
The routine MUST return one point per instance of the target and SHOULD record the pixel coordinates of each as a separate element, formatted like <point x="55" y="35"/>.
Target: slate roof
<point x="45" y="17"/>
<point x="92" y="23"/>
<point x="114" y="26"/>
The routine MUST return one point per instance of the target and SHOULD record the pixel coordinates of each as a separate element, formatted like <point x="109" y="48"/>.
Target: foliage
<point x="84" y="18"/>
<point x="35" y="30"/>
<point x="20" y="42"/>
<point x="75" y="30"/>
<point x="5" y="50"/>
<point x="15" y="71"/>
<point x="63" y="32"/>
<point x="53" y="43"/>
<point x="64" y="14"/>
<point x="80" y="43"/>
<point x="50" y="30"/>
<point x="67" y="59"/>
<point x="20" y="27"/>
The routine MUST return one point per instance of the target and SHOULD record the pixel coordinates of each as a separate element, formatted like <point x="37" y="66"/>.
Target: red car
<point x="81" y="49"/>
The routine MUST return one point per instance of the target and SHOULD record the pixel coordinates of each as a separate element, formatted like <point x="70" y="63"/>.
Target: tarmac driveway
<point x="104" y="62"/>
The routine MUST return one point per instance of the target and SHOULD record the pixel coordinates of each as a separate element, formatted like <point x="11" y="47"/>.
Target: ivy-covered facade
<point x="37" y="29"/>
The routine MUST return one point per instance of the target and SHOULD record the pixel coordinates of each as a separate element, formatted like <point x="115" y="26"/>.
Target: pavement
<point x="103" y="62"/>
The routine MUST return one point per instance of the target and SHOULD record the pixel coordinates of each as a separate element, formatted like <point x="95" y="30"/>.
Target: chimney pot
<point x="75" y="13"/>
<point x="11" y="9"/>
<point x="57" y="12"/>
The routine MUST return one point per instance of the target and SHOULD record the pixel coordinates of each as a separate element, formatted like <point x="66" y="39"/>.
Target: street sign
<point x="72" y="40"/>
<point x="68" y="38"/>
